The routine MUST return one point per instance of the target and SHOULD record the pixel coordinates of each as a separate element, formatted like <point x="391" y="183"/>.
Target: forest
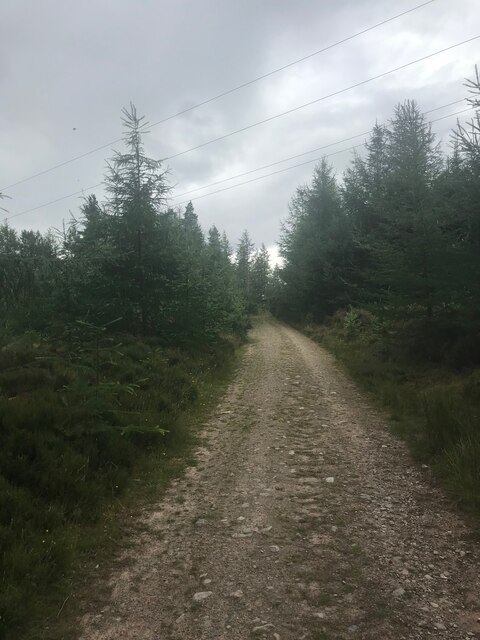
<point x="111" y="328"/>
<point x="113" y="325"/>
<point x="382" y="267"/>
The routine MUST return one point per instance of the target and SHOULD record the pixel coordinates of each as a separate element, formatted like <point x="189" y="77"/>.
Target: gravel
<point x="379" y="556"/>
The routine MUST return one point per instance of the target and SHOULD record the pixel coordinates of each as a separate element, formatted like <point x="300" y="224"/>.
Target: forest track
<point x="256" y="540"/>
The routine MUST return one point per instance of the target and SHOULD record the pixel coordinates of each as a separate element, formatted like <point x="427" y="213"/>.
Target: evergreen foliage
<point x="107" y="330"/>
<point x="131" y="259"/>
<point x="399" y="235"/>
<point x="389" y="258"/>
<point x="317" y="248"/>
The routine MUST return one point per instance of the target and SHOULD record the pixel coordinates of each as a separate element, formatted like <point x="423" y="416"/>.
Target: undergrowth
<point x="80" y="417"/>
<point x="434" y="407"/>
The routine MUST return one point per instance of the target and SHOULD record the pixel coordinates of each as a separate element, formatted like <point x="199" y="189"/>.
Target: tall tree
<point x="411" y="244"/>
<point x="28" y="262"/>
<point x="192" y="287"/>
<point x="260" y="277"/>
<point x="224" y="308"/>
<point x="243" y="260"/>
<point x="317" y="248"/>
<point x="137" y="189"/>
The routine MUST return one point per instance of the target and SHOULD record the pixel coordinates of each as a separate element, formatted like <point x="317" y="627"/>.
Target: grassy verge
<point x="434" y="408"/>
<point x="90" y="427"/>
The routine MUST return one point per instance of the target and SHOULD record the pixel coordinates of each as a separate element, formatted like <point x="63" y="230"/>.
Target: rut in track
<point x="256" y="540"/>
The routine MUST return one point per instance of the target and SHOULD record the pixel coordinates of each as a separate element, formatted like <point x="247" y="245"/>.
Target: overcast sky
<point x="67" y="67"/>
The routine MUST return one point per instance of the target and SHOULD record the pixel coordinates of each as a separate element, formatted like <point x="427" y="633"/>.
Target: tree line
<point x="382" y="267"/>
<point x="133" y="262"/>
<point x="399" y="235"/>
<point x="110" y="329"/>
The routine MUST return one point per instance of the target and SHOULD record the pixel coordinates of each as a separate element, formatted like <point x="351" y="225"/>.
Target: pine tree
<point x="243" y="260"/>
<point x="192" y="290"/>
<point x="467" y="146"/>
<point x="260" y="276"/>
<point x="223" y="304"/>
<point x="27" y="276"/>
<point x="410" y="246"/>
<point x="317" y="248"/>
<point x="137" y="189"/>
<point x="467" y="136"/>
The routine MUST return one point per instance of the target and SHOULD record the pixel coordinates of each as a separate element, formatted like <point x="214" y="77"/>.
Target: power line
<point x="273" y="173"/>
<point x="223" y="94"/>
<point x="304" y="153"/>
<point x="291" y="64"/>
<point x="272" y="164"/>
<point x="46" y="204"/>
<point x="321" y="99"/>
<point x="300" y="164"/>
<point x="268" y="175"/>
<point x="99" y="184"/>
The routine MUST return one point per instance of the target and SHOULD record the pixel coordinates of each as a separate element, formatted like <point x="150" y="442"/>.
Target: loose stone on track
<point x="351" y="542"/>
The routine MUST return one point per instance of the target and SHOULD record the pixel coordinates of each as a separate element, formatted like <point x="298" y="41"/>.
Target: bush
<point x="436" y="409"/>
<point x="461" y="469"/>
<point x="77" y="417"/>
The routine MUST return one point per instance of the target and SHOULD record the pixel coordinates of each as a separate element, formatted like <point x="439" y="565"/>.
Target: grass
<point x="90" y="428"/>
<point x="434" y="407"/>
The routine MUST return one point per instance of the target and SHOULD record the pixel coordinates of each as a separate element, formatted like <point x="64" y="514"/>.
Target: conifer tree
<point x="223" y="304"/>
<point x="411" y="239"/>
<point x="137" y="189"/>
<point x="243" y="260"/>
<point x="192" y="287"/>
<point x="260" y="276"/>
<point x="317" y="247"/>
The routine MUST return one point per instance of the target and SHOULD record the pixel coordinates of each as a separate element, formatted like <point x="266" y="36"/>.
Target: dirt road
<point x="303" y="518"/>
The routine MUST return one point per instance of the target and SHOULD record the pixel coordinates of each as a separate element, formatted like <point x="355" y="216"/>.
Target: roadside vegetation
<point x="383" y="269"/>
<point x="112" y="331"/>
<point x="436" y="408"/>
<point x="78" y="425"/>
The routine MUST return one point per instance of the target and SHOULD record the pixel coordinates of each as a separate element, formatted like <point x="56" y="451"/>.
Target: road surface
<point x="303" y="517"/>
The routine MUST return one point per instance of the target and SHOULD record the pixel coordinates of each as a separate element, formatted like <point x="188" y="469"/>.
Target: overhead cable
<point x="99" y="184"/>
<point x="220" y="95"/>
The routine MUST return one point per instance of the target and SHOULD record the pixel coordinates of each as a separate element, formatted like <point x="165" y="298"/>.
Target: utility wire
<point x="267" y="166"/>
<point x="46" y="204"/>
<point x="291" y="64"/>
<point x="223" y="94"/>
<point x="294" y="166"/>
<point x="240" y="184"/>
<point x="304" y="153"/>
<point x="273" y="173"/>
<point x="99" y="184"/>
<point x="278" y="115"/>
<point x="321" y="99"/>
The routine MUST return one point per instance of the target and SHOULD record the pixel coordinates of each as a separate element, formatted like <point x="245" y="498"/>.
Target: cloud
<point x="68" y="68"/>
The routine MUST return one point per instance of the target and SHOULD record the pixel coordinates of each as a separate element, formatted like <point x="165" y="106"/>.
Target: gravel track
<point x="303" y="517"/>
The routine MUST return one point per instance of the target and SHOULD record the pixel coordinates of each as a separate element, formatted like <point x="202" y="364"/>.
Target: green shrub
<point x="77" y="417"/>
<point x="461" y="469"/>
<point x="352" y="323"/>
<point x="436" y="409"/>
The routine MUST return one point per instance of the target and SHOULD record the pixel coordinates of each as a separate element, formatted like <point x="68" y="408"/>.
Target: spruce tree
<point x="259" y="279"/>
<point x="137" y="189"/>
<point x="243" y="260"/>
<point x="317" y="248"/>
<point x="411" y="244"/>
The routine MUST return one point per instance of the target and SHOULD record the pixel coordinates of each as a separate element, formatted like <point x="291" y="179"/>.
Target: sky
<point x="67" y="67"/>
